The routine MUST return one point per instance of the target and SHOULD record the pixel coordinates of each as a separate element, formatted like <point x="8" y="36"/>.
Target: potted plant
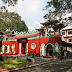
<point x="32" y="54"/>
<point x="55" y="54"/>
<point x="9" y="52"/>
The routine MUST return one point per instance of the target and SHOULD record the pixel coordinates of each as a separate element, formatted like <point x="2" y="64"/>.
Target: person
<point x="65" y="54"/>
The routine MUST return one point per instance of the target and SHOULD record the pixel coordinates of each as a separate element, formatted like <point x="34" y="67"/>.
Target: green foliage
<point x="58" y="8"/>
<point x="32" y="54"/>
<point x="9" y="63"/>
<point x="59" y="26"/>
<point x="9" y="52"/>
<point x="10" y="2"/>
<point x="0" y="50"/>
<point x="55" y="53"/>
<point x="1" y="38"/>
<point x="53" y="24"/>
<point x="1" y="58"/>
<point x="13" y="21"/>
<point x="59" y="5"/>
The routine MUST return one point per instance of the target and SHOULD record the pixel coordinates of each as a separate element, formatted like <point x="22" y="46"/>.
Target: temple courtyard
<point x="51" y="65"/>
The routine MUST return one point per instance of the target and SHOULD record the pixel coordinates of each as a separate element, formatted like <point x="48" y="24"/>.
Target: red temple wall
<point x="37" y="49"/>
<point x="10" y="44"/>
<point x="44" y="40"/>
<point x="38" y="43"/>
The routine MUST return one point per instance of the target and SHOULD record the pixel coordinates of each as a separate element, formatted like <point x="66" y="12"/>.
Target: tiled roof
<point x="20" y="37"/>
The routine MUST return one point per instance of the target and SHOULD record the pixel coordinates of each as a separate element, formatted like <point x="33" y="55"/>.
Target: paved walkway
<point x="52" y="65"/>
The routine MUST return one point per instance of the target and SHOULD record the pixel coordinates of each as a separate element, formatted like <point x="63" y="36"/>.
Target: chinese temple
<point x="43" y="41"/>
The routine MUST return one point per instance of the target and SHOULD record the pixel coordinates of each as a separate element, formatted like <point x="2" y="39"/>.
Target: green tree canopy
<point x="58" y="8"/>
<point x="10" y="2"/>
<point x="13" y="21"/>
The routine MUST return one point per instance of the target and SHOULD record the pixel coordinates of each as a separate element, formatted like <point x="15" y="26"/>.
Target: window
<point x="63" y="33"/>
<point x="70" y="40"/>
<point x="69" y="32"/>
<point x="33" y="45"/>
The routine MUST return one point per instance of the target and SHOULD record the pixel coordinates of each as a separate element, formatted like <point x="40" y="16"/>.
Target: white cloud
<point x="30" y="11"/>
<point x="26" y="7"/>
<point x="31" y="28"/>
<point x="42" y="13"/>
<point x="37" y="24"/>
<point x="1" y="3"/>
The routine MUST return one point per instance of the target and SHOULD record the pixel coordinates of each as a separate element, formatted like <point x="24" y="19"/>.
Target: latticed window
<point x="63" y="33"/>
<point x="70" y="40"/>
<point x="70" y="32"/>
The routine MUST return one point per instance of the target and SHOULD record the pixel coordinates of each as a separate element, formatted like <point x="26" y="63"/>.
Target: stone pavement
<point x="52" y="65"/>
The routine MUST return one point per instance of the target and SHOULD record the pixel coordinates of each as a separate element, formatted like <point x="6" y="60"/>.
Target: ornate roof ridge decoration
<point x="26" y="34"/>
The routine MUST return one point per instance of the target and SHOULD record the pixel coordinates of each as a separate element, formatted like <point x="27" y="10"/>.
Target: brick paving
<point x="52" y="65"/>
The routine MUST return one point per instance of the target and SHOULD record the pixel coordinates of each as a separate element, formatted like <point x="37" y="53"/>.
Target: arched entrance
<point x="49" y="49"/>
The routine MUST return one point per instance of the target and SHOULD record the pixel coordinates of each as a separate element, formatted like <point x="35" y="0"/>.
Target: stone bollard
<point x="32" y="60"/>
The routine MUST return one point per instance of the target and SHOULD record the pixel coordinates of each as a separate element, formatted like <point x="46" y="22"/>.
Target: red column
<point x="54" y="31"/>
<point x="41" y="33"/>
<point x="59" y="31"/>
<point x="46" y="32"/>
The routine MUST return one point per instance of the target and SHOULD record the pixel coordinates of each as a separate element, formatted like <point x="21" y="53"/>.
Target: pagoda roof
<point x="49" y="22"/>
<point x="21" y="37"/>
<point x="45" y="23"/>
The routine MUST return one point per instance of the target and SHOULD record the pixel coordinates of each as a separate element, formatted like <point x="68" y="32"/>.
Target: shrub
<point x="0" y="50"/>
<point x="9" y="52"/>
<point x="55" y="53"/>
<point x="32" y="54"/>
<point x="1" y="58"/>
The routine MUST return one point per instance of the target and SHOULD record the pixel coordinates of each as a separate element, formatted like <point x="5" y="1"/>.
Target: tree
<point x="58" y="8"/>
<point x="13" y="21"/>
<point x="10" y="2"/>
<point x="1" y="38"/>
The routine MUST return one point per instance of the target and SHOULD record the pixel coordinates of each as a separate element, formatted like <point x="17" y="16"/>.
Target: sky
<point x="31" y="11"/>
